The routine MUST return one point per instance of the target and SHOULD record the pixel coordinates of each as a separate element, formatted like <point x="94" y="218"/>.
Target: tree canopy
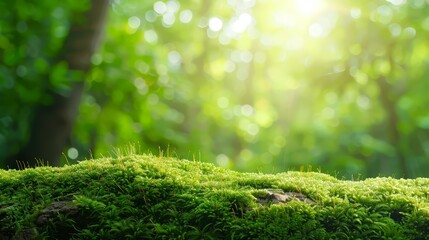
<point x="266" y="85"/>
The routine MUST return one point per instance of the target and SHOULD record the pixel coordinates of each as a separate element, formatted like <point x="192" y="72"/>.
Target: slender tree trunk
<point x="394" y="135"/>
<point x="52" y="124"/>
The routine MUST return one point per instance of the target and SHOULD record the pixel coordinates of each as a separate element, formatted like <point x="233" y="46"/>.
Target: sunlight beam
<point x="308" y="7"/>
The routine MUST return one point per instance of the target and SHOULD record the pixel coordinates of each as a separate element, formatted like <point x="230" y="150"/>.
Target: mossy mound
<point x="147" y="197"/>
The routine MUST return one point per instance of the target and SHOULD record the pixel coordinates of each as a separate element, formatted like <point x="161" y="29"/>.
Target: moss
<point x="147" y="197"/>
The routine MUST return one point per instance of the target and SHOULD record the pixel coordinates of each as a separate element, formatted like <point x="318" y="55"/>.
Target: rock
<point x="277" y="196"/>
<point x="52" y="211"/>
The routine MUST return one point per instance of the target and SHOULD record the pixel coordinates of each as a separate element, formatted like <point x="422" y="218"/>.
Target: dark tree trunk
<point x="52" y="125"/>
<point x="388" y="101"/>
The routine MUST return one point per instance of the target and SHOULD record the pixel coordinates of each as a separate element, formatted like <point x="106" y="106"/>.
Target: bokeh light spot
<point x="240" y="24"/>
<point x="247" y="110"/>
<point x="215" y="24"/>
<point x="151" y="36"/>
<point x="186" y="16"/>
<point x="72" y="153"/>
<point x="134" y="22"/>
<point x="222" y="160"/>
<point x="355" y="13"/>
<point x="174" y="58"/>
<point x="150" y="16"/>
<point x="168" y="19"/>
<point x="160" y="7"/>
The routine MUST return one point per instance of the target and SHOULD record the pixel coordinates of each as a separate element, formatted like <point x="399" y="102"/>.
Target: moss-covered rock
<point x="147" y="197"/>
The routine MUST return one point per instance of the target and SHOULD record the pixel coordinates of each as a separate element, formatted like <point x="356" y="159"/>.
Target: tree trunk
<point x="52" y="124"/>
<point x="393" y="134"/>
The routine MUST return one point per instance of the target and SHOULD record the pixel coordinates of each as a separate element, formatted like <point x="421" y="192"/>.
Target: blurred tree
<point x="51" y="127"/>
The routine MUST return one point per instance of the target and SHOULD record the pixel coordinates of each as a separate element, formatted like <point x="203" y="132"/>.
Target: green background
<point x="340" y="86"/>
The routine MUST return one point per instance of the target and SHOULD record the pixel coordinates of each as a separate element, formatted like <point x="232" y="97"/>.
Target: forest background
<point x="338" y="86"/>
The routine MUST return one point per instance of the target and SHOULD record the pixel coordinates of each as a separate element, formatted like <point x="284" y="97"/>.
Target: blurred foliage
<point x="252" y="85"/>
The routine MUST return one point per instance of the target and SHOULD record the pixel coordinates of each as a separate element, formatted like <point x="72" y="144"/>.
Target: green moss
<point x="147" y="197"/>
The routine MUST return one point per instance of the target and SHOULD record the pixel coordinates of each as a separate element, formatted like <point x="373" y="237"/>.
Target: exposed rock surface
<point x="55" y="208"/>
<point x="277" y="196"/>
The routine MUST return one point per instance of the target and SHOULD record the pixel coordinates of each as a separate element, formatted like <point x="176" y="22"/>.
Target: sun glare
<point x="308" y="7"/>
